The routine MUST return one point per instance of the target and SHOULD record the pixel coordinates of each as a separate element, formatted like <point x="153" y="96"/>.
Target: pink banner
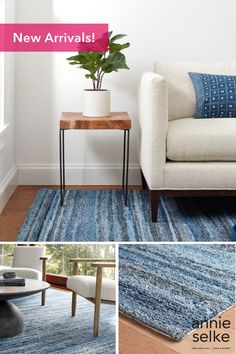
<point x="53" y="37"/>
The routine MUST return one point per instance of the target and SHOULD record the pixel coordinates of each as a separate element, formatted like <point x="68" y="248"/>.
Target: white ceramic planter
<point x="96" y="103"/>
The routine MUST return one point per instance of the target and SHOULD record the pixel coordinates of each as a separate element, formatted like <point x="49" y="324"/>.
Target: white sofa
<point x="180" y="155"/>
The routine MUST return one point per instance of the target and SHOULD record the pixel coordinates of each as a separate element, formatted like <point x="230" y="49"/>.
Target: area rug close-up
<point x="100" y="215"/>
<point x="170" y="288"/>
<point x="51" y="329"/>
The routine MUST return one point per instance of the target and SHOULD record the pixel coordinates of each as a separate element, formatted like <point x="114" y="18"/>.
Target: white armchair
<point x="180" y="155"/>
<point x="28" y="262"/>
<point x="94" y="288"/>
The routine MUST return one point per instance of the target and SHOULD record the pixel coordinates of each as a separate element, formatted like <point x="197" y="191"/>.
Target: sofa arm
<point x="75" y="262"/>
<point x="153" y="121"/>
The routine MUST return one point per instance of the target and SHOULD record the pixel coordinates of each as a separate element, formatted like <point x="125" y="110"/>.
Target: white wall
<point x="8" y="170"/>
<point x="196" y="30"/>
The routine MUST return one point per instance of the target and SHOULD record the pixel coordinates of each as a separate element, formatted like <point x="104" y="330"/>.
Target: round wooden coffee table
<point x="11" y="320"/>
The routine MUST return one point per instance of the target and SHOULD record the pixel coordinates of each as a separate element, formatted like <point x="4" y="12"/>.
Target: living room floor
<point x="18" y="206"/>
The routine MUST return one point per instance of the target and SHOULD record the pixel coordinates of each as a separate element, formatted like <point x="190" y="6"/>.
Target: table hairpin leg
<point x="62" y="164"/>
<point x="125" y="174"/>
<point x="125" y="164"/>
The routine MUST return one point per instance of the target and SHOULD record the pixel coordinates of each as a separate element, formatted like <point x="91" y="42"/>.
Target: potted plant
<point x="96" y="100"/>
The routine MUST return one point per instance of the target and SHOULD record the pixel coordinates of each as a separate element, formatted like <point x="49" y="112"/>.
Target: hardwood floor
<point x="15" y="212"/>
<point x="18" y="205"/>
<point x="137" y="339"/>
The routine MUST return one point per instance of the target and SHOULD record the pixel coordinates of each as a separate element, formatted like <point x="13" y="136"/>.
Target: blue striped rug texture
<point x="100" y="215"/>
<point x="168" y="287"/>
<point x="51" y="329"/>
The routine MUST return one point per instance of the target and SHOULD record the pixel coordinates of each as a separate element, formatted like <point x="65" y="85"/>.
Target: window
<point x="6" y="249"/>
<point x="59" y="262"/>
<point x="2" y="20"/>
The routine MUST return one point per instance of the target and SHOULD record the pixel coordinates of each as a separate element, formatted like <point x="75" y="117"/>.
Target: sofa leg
<point x="155" y="197"/>
<point x="144" y="183"/>
<point x="74" y="300"/>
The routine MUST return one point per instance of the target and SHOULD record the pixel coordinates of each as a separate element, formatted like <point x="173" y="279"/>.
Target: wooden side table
<point x="117" y="121"/>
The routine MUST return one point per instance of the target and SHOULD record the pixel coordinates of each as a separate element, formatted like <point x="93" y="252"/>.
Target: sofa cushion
<point x="181" y="95"/>
<point x="215" y="95"/>
<point x="28" y="257"/>
<point x="192" y="139"/>
<point x="199" y="175"/>
<point x="85" y="286"/>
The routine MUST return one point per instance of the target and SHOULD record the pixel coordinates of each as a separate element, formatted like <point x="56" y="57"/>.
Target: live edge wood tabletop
<point x="74" y="120"/>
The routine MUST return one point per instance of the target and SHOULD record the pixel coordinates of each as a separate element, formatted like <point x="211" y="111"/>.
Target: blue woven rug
<point x="51" y="329"/>
<point x="100" y="215"/>
<point x="169" y="287"/>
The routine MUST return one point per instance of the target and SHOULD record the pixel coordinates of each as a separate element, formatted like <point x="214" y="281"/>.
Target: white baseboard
<point x="7" y="187"/>
<point x="77" y="174"/>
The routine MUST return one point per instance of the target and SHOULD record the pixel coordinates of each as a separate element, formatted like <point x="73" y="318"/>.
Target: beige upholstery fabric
<point x="190" y="139"/>
<point x="2" y="268"/>
<point x="26" y="262"/>
<point x="199" y="175"/>
<point x="181" y="94"/>
<point x="85" y="286"/>
<point x="23" y="272"/>
<point x="153" y="120"/>
<point x="28" y="257"/>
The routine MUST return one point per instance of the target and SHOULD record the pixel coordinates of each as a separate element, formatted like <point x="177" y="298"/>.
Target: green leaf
<point x="118" y="36"/>
<point x="95" y="56"/>
<point x="84" y="58"/>
<point x="114" y="62"/>
<point x="75" y="57"/>
<point x="91" y="76"/>
<point x="89" y="67"/>
<point x="94" y="78"/>
<point x="115" y="47"/>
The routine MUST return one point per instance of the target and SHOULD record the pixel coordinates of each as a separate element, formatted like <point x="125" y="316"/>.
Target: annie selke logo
<point x="216" y="334"/>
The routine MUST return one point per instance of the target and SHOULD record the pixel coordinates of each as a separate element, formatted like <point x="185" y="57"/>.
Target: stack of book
<point x="12" y="282"/>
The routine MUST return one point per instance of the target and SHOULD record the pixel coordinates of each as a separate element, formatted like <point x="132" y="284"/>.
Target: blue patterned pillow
<point x="215" y="95"/>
